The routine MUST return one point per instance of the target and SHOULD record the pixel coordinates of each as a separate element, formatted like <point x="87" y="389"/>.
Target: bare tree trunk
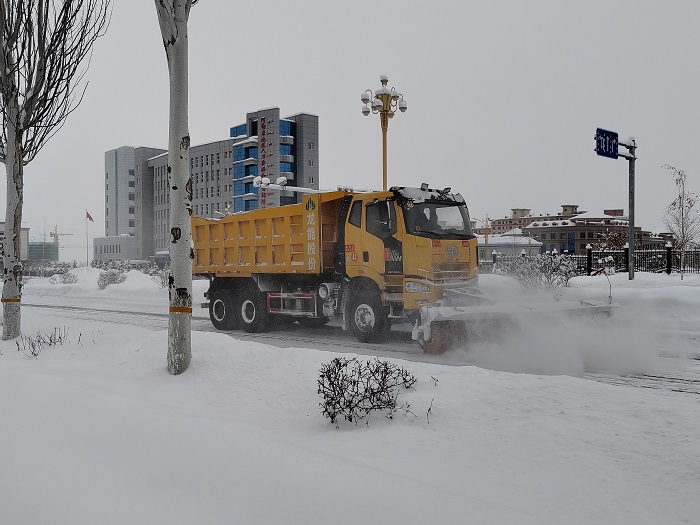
<point x="12" y="272"/>
<point x="45" y="44"/>
<point x="173" y="15"/>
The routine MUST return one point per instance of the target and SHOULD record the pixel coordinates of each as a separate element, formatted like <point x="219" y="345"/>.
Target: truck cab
<point x="409" y="247"/>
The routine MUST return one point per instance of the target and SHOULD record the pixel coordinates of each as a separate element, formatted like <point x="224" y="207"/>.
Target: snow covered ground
<point x="96" y="430"/>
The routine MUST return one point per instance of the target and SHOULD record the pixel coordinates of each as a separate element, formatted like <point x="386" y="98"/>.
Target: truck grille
<point x="448" y="271"/>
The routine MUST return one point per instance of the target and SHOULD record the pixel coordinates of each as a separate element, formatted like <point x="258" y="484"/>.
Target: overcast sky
<point x="503" y="99"/>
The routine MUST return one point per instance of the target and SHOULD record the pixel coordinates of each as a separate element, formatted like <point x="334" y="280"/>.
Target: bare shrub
<point x="110" y="277"/>
<point x="540" y="271"/>
<point x="353" y="389"/>
<point x="32" y="346"/>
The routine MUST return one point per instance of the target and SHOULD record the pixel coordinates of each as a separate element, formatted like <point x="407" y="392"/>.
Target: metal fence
<point x="658" y="261"/>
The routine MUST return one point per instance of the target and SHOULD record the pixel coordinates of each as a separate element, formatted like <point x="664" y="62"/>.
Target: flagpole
<point x="87" y="241"/>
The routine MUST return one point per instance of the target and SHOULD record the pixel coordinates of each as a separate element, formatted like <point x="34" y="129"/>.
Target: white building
<point x="512" y="242"/>
<point x="116" y="247"/>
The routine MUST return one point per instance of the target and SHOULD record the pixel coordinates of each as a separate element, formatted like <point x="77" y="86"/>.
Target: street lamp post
<point x="384" y="101"/>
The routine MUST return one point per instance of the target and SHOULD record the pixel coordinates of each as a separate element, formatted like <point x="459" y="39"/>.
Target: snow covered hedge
<point x="110" y="277"/>
<point x="353" y="389"/>
<point x="124" y="266"/>
<point x="63" y="278"/>
<point x="161" y="277"/>
<point x="539" y="271"/>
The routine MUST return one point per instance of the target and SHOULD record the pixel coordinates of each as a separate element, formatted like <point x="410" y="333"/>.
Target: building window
<point x="131" y="184"/>
<point x="131" y="223"/>
<point x="131" y="196"/>
<point x="311" y="163"/>
<point x="131" y="210"/>
<point x="285" y="128"/>
<point x="311" y="145"/>
<point x="552" y="236"/>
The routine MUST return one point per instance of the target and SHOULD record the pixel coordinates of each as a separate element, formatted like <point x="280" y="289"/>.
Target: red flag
<point x="88" y="216"/>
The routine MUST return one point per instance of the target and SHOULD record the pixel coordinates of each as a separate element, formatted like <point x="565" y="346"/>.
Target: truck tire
<point x="252" y="311"/>
<point x="366" y="316"/>
<point x="222" y="310"/>
<point x="313" y="322"/>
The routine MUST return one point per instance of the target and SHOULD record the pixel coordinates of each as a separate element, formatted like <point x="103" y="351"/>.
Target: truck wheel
<point x="367" y="318"/>
<point x="253" y="312"/>
<point x="313" y="322"/>
<point x="222" y="311"/>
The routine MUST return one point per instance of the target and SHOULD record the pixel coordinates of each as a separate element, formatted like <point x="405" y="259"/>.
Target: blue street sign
<point x="606" y="143"/>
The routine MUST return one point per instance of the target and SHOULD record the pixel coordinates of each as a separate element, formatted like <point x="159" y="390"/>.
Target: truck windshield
<point x="443" y="220"/>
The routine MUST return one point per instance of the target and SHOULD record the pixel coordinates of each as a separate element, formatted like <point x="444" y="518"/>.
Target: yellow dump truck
<point x="369" y="258"/>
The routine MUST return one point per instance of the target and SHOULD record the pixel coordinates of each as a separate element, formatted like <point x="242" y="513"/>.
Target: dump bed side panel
<point x="298" y="238"/>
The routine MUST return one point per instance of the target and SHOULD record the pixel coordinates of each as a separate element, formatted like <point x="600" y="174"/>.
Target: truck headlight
<point x="325" y="290"/>
<point x="415" y="287"/>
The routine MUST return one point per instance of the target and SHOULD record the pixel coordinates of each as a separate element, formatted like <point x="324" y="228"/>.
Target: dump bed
<point x="298" y="238"/>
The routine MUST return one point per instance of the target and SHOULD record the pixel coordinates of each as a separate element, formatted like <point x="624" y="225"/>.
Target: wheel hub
<point x="364" y="317"/>
<point x="248" y="311"/>
<point x="218" y="310"/>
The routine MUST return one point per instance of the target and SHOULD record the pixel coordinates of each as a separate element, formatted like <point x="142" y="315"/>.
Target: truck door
<point x="380" y="249"/>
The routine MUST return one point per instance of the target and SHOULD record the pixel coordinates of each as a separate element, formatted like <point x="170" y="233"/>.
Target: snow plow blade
<point x="440" y="327"/>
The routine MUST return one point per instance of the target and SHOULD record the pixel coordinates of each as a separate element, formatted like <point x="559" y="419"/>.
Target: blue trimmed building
<point x="273" y="147"/>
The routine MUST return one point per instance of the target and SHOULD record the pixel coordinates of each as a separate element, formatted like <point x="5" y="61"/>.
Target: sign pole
<point x="606" y="145"/>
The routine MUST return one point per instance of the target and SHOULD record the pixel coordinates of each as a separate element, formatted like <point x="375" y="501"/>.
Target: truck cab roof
<point x="425" y="193"/>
